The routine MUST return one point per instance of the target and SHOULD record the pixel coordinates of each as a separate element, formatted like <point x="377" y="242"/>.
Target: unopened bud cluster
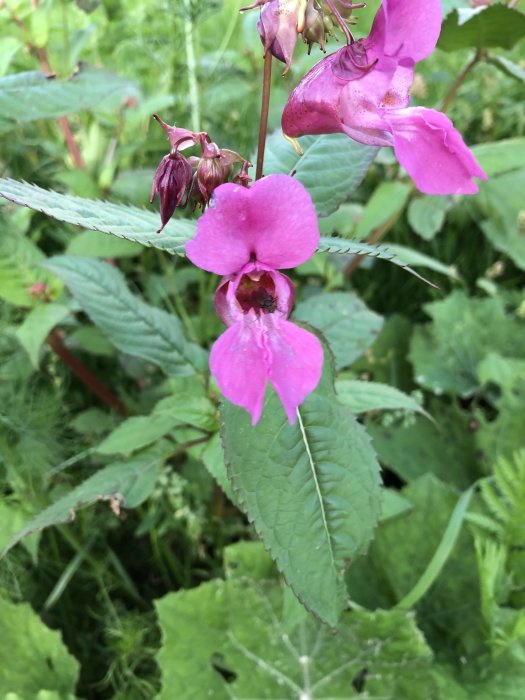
<point x="179" y="180"/>
<point x="282" y="21"/>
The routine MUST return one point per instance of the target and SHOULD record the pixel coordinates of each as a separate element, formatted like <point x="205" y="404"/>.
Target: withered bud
<point x="171" y="179"/>
<point x="314" y="27"/>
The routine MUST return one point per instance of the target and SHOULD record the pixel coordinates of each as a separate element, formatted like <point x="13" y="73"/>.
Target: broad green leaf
<point x="93" y="244"/>
<point x="136" y="432"/>
<point x="28" y="96"/>
<point x="133" y="326"/>
<point x="311" y="489"/>
<point x="9" y="46"/>
<point x="386" y="202"/>
<point x="191" y="407"/>
<point x="19" y="261"/>
<point x="349" y="326"/>
<point x="361" y="397"/>
<point x="445" y="448"/>
<point x="394" y="504"/>
<point x="501" y="202"/>
<point x="344" y="246"/>
<point x="33" y="658"/>
<point x="508" y="67"/>
<point x="238" y="639"/>
<point x="414" y="257"/>
<point x="124" y="484"/>
<point x="37" y="325"/>
<point x="213" y="459"/>
<point x="426" y="215"/>
<point x="131" y="223"/>
<point x="500" y="156"/>
<point x="400" y="555"/>
<point x="331" y="167"/>
<point x="446" y="352"/>
<point x="90" y="339"/>
<point x="496" y="26"/>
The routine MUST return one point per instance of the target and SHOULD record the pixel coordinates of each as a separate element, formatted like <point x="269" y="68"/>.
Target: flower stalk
<point x="265" y="107"/>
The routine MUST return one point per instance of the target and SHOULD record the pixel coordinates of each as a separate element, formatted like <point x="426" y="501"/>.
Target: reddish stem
<point x="265" y="106"/>
<point x="55" y="341"/>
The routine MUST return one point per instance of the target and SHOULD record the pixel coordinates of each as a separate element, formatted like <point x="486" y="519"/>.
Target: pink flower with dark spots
<point x="247" y="235"/>
<point x="363" y="90"/>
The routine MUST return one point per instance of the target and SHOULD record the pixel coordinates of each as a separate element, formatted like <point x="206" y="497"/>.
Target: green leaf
<point x="496" y="26"/>
<point x="33" y="658"/>
<point x="133" y="326"/>
<point x="19" y="258"/>
<point x="508" y="67"/>
<point x="414" y="257"/>
<point x="344" y="246"/>
<point x="500" y="156"/>
<point x="239" y="639"/>
<point x="213" y="459"/>
<point x="9" y="46"/>
<point x="386" y="202"/>
<point x="331" y="167"/>
<point x="118" y="220"/>
<point x="37" y="325"/>
<point x="426" y="215"/>
<point x="28" y="96"/>
<point x="349" y="326"/>
<point x="361" y="397"/>
<point x="191" y="407"/>
<point x="445" y="448"/>
<point x="93" y="244"/>
<point x="311" y="489"/>
<point x="124" y="484"/>
<point x="136" y="432"/>
<point x="446" y="353"/>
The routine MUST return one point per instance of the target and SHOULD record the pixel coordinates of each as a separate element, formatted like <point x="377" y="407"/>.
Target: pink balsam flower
<point x="363" y="90"/>
<point x="247" y="235"/>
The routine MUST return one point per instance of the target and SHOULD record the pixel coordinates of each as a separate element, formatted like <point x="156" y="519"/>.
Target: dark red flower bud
<point x="171" y="180"/>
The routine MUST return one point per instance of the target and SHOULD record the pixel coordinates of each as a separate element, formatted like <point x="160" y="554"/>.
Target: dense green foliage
<point x="131" y="509"/>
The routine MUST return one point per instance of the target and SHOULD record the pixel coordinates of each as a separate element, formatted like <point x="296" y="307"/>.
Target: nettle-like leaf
<point x="246" y="639"/>
<point x="348" y="324"/>
<point x="311" y="489"/>
<point x="496" y="26"/>
<point x="125" y="484"/>
<point x="331" y="167"/>
<point x="128" y="322"/>
<point x="361" y="397"/>
<point x="446" y="352"/>
<point x="119" y="220"/>
<point x="33" y="658"/>
<point x="25" y="97"/>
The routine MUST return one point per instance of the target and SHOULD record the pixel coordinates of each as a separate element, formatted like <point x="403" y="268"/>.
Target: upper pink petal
<point x="296" y="364"/>
<point x="433" y="152"/>
<point x="405" y="29"/>
<point x="273" y="222"/>
<point x="238" y="364"/>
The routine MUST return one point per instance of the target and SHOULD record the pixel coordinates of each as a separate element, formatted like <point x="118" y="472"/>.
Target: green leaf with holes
<point x="33" y="658"/>
<point x="495" y="26"/>
<point x="348" y="324"/>
<point x="133" y="326"/>
<point x="312" y="489"/>
<point x="246" y="638"/>
<point x="331" y="167"/>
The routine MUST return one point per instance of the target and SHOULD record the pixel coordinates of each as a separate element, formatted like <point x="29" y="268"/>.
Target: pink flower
<point x="247" y="235"/>
<point x="363" y="90"/>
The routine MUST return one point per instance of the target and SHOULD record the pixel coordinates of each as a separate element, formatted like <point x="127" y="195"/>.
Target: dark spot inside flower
<point x="257" y="294"/>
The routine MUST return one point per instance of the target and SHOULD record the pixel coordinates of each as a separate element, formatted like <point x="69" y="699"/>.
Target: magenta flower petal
<point x="405" y="28"/>
<point x="237" y="363"/>
<point x="273" y="222"/>
<point x="432" y="151"/>
<point x="296" y="366"/>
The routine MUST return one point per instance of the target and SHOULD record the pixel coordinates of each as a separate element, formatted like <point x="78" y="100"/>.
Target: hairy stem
<point x="265" y="106"/>
<point x="458" y="82"/>
<point x="55" y="341"/>
<point x="191" y="63"/>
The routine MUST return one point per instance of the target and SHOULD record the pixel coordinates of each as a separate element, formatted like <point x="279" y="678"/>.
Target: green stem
<point x="191" y="64"/>
<point x="458" y="82"/>
<point x="167" y="268"/>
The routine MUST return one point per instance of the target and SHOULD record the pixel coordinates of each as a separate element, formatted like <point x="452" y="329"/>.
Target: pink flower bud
<point x="171" y="180"/>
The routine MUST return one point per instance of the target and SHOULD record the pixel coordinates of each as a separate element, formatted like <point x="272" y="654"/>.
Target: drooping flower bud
<point x="170" y="181"/>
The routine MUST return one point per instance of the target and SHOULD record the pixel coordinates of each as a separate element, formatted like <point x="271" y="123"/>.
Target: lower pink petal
<point x="238" y="364"/>
<point x="296" y="364"/>
<point x="433" y="152"/>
